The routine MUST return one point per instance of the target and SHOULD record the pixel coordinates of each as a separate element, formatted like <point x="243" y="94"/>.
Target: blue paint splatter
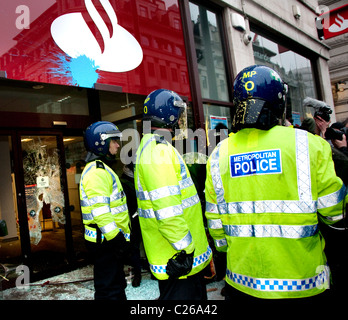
<point x="80" y="71"/>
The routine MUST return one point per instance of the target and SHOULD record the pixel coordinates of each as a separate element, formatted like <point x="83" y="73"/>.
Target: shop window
<point x="117" y="107"/>
<point x="210" y="55"/>
<point x="42" y="98"/>
<point x="295" y="70"/>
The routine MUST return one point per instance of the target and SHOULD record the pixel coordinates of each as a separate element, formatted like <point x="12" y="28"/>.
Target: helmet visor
<point x="248" y="113"/>
<point x="111" y="134"/>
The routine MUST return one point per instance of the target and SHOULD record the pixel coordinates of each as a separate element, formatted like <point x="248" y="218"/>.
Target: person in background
<point x="127" y="180"/>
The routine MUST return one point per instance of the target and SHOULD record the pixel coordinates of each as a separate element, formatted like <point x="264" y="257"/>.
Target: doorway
<point x="10" y="248"/>
<point x="46" y="202"/>
<point x="34" y="203"/>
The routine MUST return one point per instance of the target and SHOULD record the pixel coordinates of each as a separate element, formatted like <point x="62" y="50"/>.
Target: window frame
<point x="196" y="92"/>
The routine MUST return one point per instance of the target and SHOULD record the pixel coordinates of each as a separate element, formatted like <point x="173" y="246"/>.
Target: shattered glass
<point x="42" y="183"/>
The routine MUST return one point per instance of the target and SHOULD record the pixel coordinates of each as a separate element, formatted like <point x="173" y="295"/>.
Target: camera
<point x="334" y="134"/>
<point x="321" y="108"/>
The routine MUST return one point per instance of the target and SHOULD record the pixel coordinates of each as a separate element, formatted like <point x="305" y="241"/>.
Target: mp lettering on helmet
<point x="256" y="163"/>
<point x="249" y="74"/>
<point x="249" y="85"/>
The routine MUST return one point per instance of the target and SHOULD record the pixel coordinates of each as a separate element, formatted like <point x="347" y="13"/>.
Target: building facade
<point x="65" y="64"/>
<point x="338" y="63"/>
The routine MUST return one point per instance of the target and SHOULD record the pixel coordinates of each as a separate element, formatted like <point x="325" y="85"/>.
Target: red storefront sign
<point x="134" y="44"/>
<point x="333" y="23"/>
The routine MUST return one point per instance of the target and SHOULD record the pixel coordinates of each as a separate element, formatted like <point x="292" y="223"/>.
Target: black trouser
<point x="109" y="277"/>
<point x="191" y="288"/>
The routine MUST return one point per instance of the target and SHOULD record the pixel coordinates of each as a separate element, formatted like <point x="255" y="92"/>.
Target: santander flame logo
<point x="121" y="51"/>
<point x="340" y="24"/>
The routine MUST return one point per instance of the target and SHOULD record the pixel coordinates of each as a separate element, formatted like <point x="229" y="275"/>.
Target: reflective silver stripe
<point x="101" y="210"/>
<point x="183" y="243"/>
<point x="95" y="200"/>
<point x="273" y="206"/>
<point x="217" y="182"/>
<point x="159" y="193"/>
<point x="220" y="242"/>
<point x="185" y="183"/>
<point x="169" y="212"/>
<point x="191" y="201"/>
<point x="165" y="191"/>
<point x="215" y="224"/>
<point x="332" y="198"/>
<point x="274" y="231"/>
<point x="197" y="261"/>
<point x="87" y="216"/>
<point x="211" y="207"/>
<point x="116" y="195"/>
<point x="140" y="188"/>
<point x="183" y="172"/>
<point x="266" y="284"/>
<point x="108" y="228"/>
<point x="146" y="213"/>
<point x="142" y="195"/>
<point x="119" y="209"/>
<point x="161" y="213"/>
<point x="303" y="166"/>
<point x="83" y="193"/>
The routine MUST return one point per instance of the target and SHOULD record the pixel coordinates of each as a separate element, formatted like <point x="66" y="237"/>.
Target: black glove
<point x="121" y="246"/>
<point x="180" y="264"/>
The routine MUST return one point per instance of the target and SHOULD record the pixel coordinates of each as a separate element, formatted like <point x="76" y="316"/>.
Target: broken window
<point x="43" y="190"/>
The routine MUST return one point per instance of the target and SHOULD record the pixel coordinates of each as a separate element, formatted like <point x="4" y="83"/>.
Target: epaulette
<point x="100" y="165"/>
<point x="160" y="139"/>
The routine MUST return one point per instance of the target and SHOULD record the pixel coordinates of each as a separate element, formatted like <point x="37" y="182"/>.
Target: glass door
<point x="10" y="248"/>
<point x="45" y="198"/>
<point x="75" y="155"/>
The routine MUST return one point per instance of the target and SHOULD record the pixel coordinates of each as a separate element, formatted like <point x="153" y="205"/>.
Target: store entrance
<point x="39" y="209"/>
<point x="45" y="199"/>
<point x="10" y="248"/>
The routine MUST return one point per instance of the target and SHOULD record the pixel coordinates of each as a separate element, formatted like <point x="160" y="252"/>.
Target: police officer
<point x="104" y="211"/>
<point x="169" y="209"/>
<point x="267" y="186"/>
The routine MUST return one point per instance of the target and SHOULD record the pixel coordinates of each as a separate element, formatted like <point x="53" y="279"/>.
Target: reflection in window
<point x="209" y="52"/>
<point x="116" y="106"/>
<point x="46" y="98"/>
<point x="294" y="69"/>
<point x="216" y="112"/>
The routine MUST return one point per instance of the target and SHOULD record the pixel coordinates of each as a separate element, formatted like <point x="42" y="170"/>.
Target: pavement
<point x="78" y="285"/>
<point x="70" y="294"/>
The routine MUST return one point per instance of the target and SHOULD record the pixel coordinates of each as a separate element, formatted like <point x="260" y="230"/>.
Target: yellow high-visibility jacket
<point x="169" y="209"/>
<point x="264" y="193"/>
<point x="103" y="202"/>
